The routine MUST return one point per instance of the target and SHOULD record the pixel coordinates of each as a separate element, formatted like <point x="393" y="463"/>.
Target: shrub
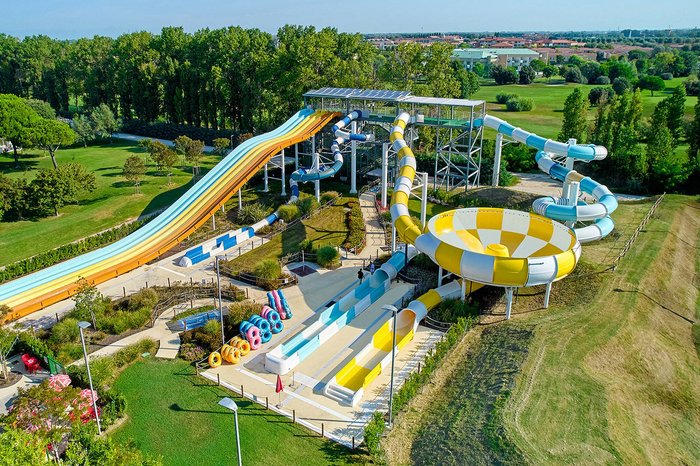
<point x="328" y="257"/>
<point x="288" y="212"/>
<point x="251" y="213"/>
<point x="527" y="75"/>
<point x="356" y="226"/>
<point x="113" y="406"/>
<point x="692" y="86"/>
<point x="268" y="269"/>
<point x="118" y="322"/>
<point x="306" y="245"/>
<point x="520" y="104"/>
<point x="328" y="196"/>
<point x="505" y="97"/>
<point x="238" y="312"/>
<point x="65" y="331"/>
<point x="602" y="80"/>
<point x="373" y="435"/>
<point x="307" y="205"/>
<point x="666" y="76"/>
<point x="212" y="327"/>
<point x="145" y="298"/>
<point x="192" y="352"/>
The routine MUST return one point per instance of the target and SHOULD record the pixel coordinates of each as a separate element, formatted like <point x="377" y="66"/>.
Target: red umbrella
<point x="279" y="386"/>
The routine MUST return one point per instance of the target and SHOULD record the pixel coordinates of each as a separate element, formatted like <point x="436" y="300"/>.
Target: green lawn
<point x="546" y="118"/>
<point x="113" y="202"/>
<point x="175" y="414"/>
<point x="326" y="228"/>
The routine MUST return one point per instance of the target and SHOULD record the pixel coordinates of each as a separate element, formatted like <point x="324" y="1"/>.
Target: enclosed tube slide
<point x="37" y="290"/>
<point x="319" y="173"/>
<point x="559" y="208"/>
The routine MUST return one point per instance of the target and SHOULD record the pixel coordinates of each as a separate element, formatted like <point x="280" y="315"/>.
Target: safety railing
<point x="640" y="227"/>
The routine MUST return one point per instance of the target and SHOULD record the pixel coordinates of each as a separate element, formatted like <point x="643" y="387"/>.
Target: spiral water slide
<point x="40" y="289"/>
<point x="322" y="172"/>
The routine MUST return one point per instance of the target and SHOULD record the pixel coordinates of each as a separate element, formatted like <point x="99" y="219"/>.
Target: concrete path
<point x="541" y="183"/>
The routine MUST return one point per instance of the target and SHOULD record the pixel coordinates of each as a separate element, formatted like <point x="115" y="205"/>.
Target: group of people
<point x="361" y="273"/>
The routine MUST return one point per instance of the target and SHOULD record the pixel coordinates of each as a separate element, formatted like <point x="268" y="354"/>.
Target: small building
<point x="514" y="57"/>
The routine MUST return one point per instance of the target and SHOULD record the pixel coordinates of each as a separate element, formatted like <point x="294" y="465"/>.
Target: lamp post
<point x="83" y="325"/>
<point x="394" y="310"/>
<point x="221" y="307"/>
<point x="228" y="403"/>
<point x="232" y="141"/>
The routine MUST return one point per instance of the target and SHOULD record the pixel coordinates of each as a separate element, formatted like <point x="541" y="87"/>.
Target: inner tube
<point x="277" y="327"/>
<point x="266" y="336"/>
<point x="243" y="346"/>
<point x="255" y="342"/>
<point x="215" y="359"/>
<point x="252" y="333"/>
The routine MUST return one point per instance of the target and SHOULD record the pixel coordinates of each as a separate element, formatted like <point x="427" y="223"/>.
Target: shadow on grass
<point x="8" y="166"/>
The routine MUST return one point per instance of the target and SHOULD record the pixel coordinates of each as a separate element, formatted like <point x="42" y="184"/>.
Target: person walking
<point x="360" y="275"/>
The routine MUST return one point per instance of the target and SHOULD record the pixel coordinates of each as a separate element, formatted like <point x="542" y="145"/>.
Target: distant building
<point x="514" y="57"/>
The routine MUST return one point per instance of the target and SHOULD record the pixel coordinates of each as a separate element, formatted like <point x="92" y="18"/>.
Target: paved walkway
<point x="541" y="183"/>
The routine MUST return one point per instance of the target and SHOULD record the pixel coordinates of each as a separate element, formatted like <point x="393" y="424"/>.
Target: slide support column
<point x="353" y="160"/>
<point x="509" y="301"/>
<point x="464" y="289"/>
<point x="439" y="276"/>
<point x="284" y="188"/>
<point x="385" y="170"/>
<point x="240" y="198"/>
<point x="497" y="160"/>
<point x="316" y="165"/>
<point x="424" y="200"/>
<point x="266" y="189"/>
<point x="569" y="160"/>
<point x="296" y="156"/>
<point x="546" y="295"/>
<point x="393" y="239"/>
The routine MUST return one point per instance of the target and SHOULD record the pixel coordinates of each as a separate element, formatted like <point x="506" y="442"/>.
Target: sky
<point x="70" y="19"/>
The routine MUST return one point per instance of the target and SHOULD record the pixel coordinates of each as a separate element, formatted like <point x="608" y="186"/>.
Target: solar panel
<point x="373" y="94"/>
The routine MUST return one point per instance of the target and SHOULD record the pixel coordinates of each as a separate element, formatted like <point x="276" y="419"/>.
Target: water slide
<point x="324" y="171"/>
<point x="37" y="290"/>
<point x="567" y="208"/>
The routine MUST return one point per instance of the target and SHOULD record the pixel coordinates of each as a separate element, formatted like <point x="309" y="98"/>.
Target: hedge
<point x="505" y="97"/>
<point x="414" y="382"/>
<point x="356" y="226"/>
<point x="68" y="251"/>
<point x="170" y="131"/>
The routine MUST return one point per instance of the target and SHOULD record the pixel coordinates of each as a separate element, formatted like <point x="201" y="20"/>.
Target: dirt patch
<point x="12" y="378"/>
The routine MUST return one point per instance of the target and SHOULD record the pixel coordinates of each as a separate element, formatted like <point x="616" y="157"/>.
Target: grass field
<point x="611" y="374"/>
<point x="113" y="202"/>
<point x="175" y="414"/>
<point x="546" y="118"/>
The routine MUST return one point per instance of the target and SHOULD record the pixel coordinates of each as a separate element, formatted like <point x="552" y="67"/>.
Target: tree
<point x="599" y="95"/>
<point x="651" y="83"/>
<point x="620" y="85"/>
<point x="665" y="171"/>
<point x="575" y="125"/>
<point x="549" y="71"/>
<point x="191" y="149"/>
<point x="7" y="340"/>
<point x="222" y="145"/>
<point x="619" y="69"/>
<point x="51" y="135"/>
<point x="527" y="75"/>
<point x="504" y="75"/>
<point x="676" y="113"/>
<point x="89" y="302"/>
<point x="134" y="170"/>
<point x="573" y="75"/>
<point x="84" y="130"/>
<point x="43" y="109"/>
<point x="16" y="198"/>
<point x="103" y="121"/>
<point x="538" y="65"/>
<point x="468" y="81"/>
<point x="52" y="189"/>
<point x="694" y="145"/>
<point x="590" y="70"/>
<point x="19" y="448"/>
<point x="16" y="121"/>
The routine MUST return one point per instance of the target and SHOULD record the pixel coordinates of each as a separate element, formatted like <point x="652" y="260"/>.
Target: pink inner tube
<point x="283" y="315"/>
<point x="265" y="310"/>
<point x="252" y="333"/>
<point x="278" y="302"/>
<point x="255" y="342"/>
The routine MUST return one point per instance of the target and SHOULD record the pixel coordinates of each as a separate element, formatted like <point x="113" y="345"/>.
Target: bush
<point x="520" y="104"/>
<point x="251" y="213"/>
<point x="666" y="76"/>
<point x="328" y="257"/>
<point x="527" y="75"/>
<point x="268" y="269"/>
<point x="356" y="227"/>
<point x="192" y="352"/>
<point x="238" y="312"/>
<point x="113" y="406"/>
<point x="288" y="212"/>
<point x="306" y="245"/>
<point x="504" y="75"/>
<point x="328" y="196"/>
<point x="145" y="298"/>
<point x="620" y="85"/>
<point x="597" y="95"/>
<point x="65" y="331"/>
<point x="307" y="205"/>
<point x="118" y="322"/>
<point x="373" y="435"/>
<point x="602" y="80"/>
<point x="505" y="97"/>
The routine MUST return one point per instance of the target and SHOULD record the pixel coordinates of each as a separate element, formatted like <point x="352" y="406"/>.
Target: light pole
<point x="394" y="310"/>
<point x="228" y="403"/>
<point x="221" y="308"/>
<point x="83" y="325"/>
<point x="232" y="141"/>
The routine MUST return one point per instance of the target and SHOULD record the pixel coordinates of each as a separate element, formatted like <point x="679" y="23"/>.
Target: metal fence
<point x="640" y="227"/>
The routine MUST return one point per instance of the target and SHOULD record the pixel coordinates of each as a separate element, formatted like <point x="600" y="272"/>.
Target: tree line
<point x="232" y="78"/>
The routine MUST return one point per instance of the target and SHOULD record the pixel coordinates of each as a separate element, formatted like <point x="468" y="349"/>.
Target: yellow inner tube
<point x="215" y="359"/>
